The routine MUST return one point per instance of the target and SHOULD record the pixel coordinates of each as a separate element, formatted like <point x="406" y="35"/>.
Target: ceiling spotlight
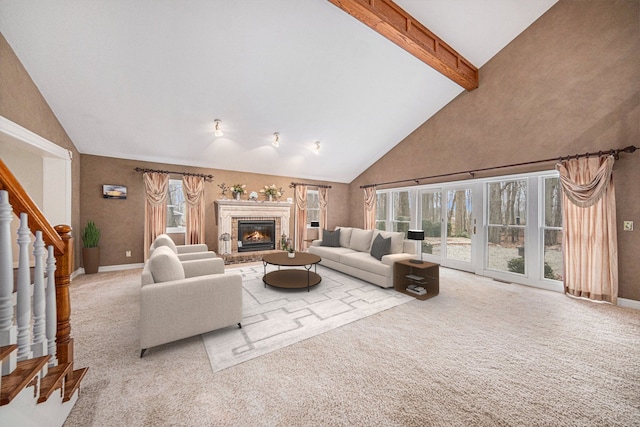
<point x="218" y="131"/>
<point x="276" y="141"/>
<point x="316" y="150"/>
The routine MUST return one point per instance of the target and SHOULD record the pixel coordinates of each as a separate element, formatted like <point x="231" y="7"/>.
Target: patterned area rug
<point x="275" y="318"/>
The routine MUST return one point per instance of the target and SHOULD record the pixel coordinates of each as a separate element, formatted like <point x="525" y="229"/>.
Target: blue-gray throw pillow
<point x="331" y="238"/>
<point x="380" y="247"/>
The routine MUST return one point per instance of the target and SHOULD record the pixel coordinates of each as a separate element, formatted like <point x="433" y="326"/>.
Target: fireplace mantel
<point x="228" y="210"/>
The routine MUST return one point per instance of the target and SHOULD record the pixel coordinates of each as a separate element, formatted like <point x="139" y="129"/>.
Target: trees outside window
<point x="313" y="206"/>
<point x="176" y="207"/>
<point x="381" y="211"/>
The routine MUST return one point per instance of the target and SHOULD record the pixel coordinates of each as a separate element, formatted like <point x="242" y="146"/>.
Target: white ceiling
<point x="144" y="79"/>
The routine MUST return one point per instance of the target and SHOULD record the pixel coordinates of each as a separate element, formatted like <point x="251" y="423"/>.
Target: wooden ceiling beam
<point x="391" y="21"/>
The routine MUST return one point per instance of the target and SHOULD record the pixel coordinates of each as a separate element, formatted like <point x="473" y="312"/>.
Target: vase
<point x="237" y="196"/>
<point x="270" y="198"/>
<point x="291" y="254"/>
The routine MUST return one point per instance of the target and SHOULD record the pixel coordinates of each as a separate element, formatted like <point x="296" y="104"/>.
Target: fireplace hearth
<point x="256" y="235"/>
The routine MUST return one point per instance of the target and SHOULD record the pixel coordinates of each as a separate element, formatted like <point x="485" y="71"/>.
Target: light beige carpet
<point x="482" y="353"/>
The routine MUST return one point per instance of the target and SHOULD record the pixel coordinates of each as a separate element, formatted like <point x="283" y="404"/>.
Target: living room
<point x="566" y="85"/>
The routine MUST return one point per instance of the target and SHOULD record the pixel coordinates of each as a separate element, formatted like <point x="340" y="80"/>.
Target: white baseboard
<point x="110" y="268"/>
<point x="629" y="303"/>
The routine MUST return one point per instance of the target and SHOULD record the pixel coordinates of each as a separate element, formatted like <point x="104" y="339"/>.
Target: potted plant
<point x="90" y="249"/>
<point x="287" y="245"/>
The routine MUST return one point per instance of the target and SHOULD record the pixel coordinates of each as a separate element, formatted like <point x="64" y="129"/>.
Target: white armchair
<point x="184" y="252"/>
<point x="183" y="299"/>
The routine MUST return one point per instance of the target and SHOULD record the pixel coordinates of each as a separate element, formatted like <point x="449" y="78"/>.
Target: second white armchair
<point x="184" y="252"/>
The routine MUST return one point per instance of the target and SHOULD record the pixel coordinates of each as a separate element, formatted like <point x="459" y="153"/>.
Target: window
<point x="507" y="219"/>
<point x="175" y="207"/>
<point x="313" y="206"/>
<point x="431" y="222"/>
<point x="551" y="228"/>
<point x="381" y="211"/>
<point x="401" y="215"/>
<point x="394" y="210"/>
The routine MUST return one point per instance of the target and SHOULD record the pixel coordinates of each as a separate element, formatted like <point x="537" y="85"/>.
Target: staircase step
<point x="72" y="383"/>
<point x="6" y="350"/>
<point x="15" y="382"/>
<point x="53" y="381"/>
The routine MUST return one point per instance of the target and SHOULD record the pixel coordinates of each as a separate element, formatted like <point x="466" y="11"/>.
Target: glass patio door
<point x="459" y="229"/>
<point x="449" y="224"/>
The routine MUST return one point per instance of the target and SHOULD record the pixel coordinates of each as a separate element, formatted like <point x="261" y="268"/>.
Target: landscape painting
<point x="114" y="191"/>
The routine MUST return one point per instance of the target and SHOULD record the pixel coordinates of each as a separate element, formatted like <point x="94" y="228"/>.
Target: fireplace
<point x="256" y="235"/>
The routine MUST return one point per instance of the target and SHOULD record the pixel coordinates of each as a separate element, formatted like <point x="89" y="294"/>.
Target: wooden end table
<point x="426" y="275"/>
<point x="291" y="278"/>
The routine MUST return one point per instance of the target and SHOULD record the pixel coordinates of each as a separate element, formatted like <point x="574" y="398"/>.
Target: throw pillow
<point x="380" y="247"/>
<point x="361" y="240"/>
<point x="397" y="240"/>
<point x="345" y="236"/>
<point x="165" y="266"/>
<point x="330" y="238"/>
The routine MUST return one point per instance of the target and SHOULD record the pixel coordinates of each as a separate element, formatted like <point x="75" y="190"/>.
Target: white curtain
<point x="590" y="245"/>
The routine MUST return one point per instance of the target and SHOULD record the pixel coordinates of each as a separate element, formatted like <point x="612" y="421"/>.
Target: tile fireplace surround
<point x="230" y="211"/>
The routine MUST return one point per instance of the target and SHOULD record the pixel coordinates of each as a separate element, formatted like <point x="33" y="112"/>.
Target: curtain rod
<point x="179" y="173"/>
<point x="294" y="184"/>
<point x="613" y="152"/>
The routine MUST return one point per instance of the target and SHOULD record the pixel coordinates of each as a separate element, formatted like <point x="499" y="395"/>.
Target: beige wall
<point x="568" y="84"/>
<point x="122" y="221"/>
<point x="22" y="103"/>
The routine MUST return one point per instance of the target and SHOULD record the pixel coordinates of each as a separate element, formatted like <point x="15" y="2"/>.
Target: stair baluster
<point x="23" y="308"/>
<point x="51" y="314"/>
<point x="39" y="345"/>
<point x="8" y="331"/>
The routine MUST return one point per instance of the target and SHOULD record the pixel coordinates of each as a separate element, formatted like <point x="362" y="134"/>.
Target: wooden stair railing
<point x="60" y="239"/>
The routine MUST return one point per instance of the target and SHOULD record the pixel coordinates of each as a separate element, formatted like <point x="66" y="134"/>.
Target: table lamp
<point x="417" y="235"/>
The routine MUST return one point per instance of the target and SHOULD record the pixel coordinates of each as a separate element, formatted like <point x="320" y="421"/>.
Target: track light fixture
<point x="276" y="140"/>
<point x="218" y="131"/>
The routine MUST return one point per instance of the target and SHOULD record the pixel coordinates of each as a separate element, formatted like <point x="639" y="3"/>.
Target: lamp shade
<point x="415" y="234"/>
<point x="315" y="223"/>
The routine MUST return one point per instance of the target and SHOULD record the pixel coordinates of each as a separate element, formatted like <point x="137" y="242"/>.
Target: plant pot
<point x="90" y="260"/>
<point x="270" y="198"/>
<point x="237" y="196"/>
<point x="291" y="254"/>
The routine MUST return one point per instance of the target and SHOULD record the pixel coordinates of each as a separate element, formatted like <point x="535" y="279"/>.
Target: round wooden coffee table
<point x="291" y="278"/>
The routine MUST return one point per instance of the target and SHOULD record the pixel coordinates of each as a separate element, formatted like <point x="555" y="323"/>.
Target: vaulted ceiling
<point x="145" y="79"/>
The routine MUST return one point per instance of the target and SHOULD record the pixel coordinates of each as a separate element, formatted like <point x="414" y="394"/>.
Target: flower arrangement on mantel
<point x="270" y="191"/>
<point x="239" y="188"/>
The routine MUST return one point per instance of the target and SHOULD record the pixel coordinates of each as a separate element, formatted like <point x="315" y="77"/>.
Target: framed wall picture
<point x="114" y="191"/>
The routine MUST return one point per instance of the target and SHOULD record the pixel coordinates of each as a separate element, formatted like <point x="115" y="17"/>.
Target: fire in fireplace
<point x="256" y="235"/>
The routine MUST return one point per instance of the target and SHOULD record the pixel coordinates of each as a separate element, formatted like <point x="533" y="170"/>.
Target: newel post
<point x="64" y="263"/>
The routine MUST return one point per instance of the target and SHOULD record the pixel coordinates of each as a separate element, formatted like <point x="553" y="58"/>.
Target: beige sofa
<point x="183" y="299"/>
<point x="353" y="254"/>
<point x="184" y="252"/>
